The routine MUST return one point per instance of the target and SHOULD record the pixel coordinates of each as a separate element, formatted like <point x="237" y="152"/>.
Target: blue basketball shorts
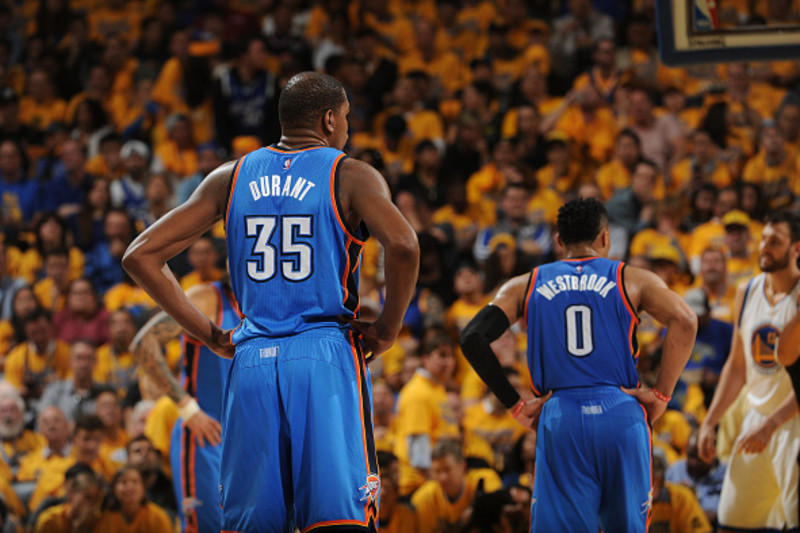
<point x="195" y="477"/>
<point x="593" y="463"/>
<point x="297" y="447"/>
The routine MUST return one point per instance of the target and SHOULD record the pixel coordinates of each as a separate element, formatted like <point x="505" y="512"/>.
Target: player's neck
<point x="579" y="252"/>
<point x="781" y="282"/>
<point x="301" y="138"/>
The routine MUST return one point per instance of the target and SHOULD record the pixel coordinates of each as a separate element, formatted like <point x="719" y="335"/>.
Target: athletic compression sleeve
<point x="486" y="327"/>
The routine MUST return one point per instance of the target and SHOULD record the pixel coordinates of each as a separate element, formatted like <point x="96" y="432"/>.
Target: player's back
<point x="294" y="264"/>
<point x="581" y="326"/>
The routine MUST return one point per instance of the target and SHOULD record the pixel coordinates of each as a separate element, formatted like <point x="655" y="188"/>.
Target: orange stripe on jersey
<point x="621" y="289"/>
<point x="331" y="523"/>
<point x="335" y="203"/>
<point x="361" y="410"/>
<point x="346" y="272"/>
<point x="233" y="187"/>
<point x="528" y="296"/>
<point x="631" y="334"/>
<point x="573" y="259"/>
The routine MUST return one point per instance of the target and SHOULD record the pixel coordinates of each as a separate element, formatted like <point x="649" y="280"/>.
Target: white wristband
<point x="189" y="410"/>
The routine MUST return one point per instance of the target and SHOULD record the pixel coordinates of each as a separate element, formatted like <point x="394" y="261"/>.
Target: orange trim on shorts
<point x="361" y="410"/>
<point x="332" y="523"/>
<point x="233" y="187"/>
<point x="334" y="202"/>
<point x="650" y="449"/>
<point x="528" y="296"/>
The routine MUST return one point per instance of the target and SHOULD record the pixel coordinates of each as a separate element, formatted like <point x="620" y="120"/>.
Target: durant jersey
<point x="760" y="324"/>
<point x="581" y="326"/>
<point x="294" y="264"/>
<point x="204" y="373"/>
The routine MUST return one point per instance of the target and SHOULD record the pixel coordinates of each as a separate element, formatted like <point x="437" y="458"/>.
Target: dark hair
<point x="99" y="118"/>
<point x="78" y="469"/>
<point x="88" y="423"/>
<point x="112" y="503"/>
<point x="134" y="440"/>
<point x="581" y="220"/>
<point x="715" y="123"/>
<point x="791" y="219"/>
<point x="628" y="132"/>
<point x="307" y="97"/>
<point x="59" y="251"/>
<point x="433" y="339"/>
<point x="47" y="217"/>
<point x="36" y="314"/>
<point x="487" y="510"/>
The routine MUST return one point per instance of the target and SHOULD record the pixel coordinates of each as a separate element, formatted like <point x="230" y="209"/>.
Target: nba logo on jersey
<point x="579" y="269"/>
<point x="287" y="163"/>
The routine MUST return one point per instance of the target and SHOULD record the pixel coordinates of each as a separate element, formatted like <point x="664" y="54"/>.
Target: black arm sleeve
<point x="486" y="327"/>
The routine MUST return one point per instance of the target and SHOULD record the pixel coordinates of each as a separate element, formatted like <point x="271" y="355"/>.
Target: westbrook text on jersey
<point x="598" y="284"/>
<point x="267" y="186"/>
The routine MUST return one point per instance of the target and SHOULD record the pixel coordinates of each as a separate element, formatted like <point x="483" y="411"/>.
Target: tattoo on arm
<point x="147" y="349"/>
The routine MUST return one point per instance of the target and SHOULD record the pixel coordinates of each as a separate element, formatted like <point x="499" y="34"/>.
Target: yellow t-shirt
<point x="500" y="430"/>
<point x="612" y="177"/>
<point x="403" y="520"/>
<point x="23" y="359"/>
<point x="47" y="294"/>
<point x="31" y="264"/>
<point x="125" y="295"/>
<point x="444" y="69"/>
<point x="113" y="451"/>
<point x="682" y="175"/>
<point x="543" y="206"/>
<point x="158" y="427"/>
<point x="597" y="134"/>
<point x="193" y="278"/>
<point x="437" y="513"/>
<point x="679" y="512"/>
<point x="150" y="518"/>
<point x="673" y="428"/>
<point x="422" y="409"/>
<point x="39" y="115"/>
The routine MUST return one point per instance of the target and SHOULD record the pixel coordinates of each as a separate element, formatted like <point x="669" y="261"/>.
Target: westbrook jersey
<point x="760" y="325"/>
<point x="581" y="326"/>
<point x="294" y="263"/>
<point x="204" y="373"/>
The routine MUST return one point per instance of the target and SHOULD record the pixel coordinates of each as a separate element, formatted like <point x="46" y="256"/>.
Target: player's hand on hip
<point x="222" y="345"/>
<point x="375" y="339"/>
<point x="706" y="442"/>
<point x="756" y="439"/>
<point x="653" y="405"/>
<point x="204" y="428"/>
<point x="528" y="416"/>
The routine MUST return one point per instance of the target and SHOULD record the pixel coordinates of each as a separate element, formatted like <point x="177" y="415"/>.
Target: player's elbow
<point x="404" y="247"/>
<point x="685" y="320"/>
<point x="132" y="260"/>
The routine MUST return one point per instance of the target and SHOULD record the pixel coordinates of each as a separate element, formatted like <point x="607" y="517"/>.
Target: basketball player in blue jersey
<point x="297" y="445"/>
<point x="195" y="470"/>
<point x="593" y="446"/>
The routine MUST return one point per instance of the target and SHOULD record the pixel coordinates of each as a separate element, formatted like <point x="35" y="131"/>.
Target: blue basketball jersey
<point x="581" y="326"/>
<point x="294" y="263"/>
<point x="203" y="373"/>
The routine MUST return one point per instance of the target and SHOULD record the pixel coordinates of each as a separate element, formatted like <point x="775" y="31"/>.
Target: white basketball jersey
<point x="760" y="324"/>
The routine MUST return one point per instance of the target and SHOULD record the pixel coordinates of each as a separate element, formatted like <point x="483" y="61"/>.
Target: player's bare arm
<point x="731" y="381"/>
<point x="146" y="257"/>
<point x="788" y="349"/>
<point x="147" y="348"/>
<point x="364" y="196"/>
<point x="487" y="326"/>
<point x="649" y="293"/>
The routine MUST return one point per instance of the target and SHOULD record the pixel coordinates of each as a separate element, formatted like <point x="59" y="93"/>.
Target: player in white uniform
<point x="760" y="490"/>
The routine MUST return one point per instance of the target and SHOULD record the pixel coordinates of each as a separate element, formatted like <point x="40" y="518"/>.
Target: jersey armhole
<point x="337" y="208"/>
<point x="231" y="184"/>
<point x="624" y="292"/>
<point x="528" y="292"/>
<point x="744" y="302"/>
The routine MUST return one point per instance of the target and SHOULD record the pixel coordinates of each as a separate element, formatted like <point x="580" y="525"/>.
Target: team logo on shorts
<point x="762" y="346"/>
<point x="371" y="488"/>
<point x="287" y="163"/>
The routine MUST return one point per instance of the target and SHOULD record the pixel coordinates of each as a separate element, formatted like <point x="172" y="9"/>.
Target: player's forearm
<point x="147" y="349"/>
<point x="677" y="348"/>
<point x="730" y="384"/>
<point x="155" y="277"/>
<point x="785" y="411"/>
<point x="401" y="270"/>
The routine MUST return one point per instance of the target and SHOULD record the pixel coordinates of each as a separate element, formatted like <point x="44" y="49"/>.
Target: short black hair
<point x="88" y="423"/>
<point x="792" y="220"/>
<point x="581" y="220"/>
<point x="307" y="97"/>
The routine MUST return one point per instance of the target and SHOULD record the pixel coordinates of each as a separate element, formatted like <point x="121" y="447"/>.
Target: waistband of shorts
<point x="328" y="331"/>
<point x="589" y="392"/>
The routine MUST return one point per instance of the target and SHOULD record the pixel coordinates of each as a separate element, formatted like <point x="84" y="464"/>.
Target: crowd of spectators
<point x="483" y="116"/>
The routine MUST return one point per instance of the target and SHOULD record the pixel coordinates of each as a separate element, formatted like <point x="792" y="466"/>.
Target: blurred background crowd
<point x="482" y="116"/>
